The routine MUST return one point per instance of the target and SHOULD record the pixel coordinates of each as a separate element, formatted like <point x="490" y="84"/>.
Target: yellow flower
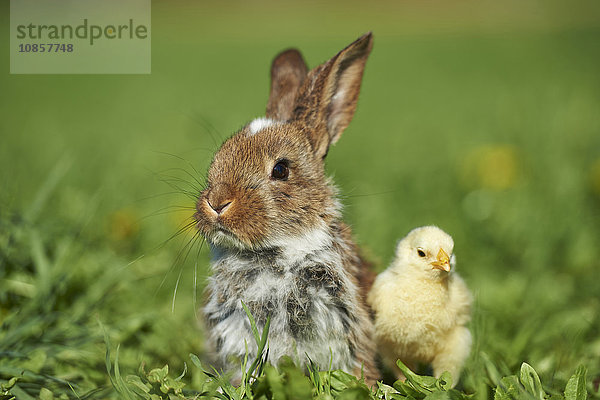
<point x="494" y="167"/>
<point x="595" y="176"/>
<point x="123" y="225"/>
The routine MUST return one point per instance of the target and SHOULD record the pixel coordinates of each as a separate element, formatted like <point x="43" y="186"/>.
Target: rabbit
<point x="273" y="222"/>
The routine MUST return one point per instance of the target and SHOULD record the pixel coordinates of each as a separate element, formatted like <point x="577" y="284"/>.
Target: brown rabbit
<point x="274" y="225"/>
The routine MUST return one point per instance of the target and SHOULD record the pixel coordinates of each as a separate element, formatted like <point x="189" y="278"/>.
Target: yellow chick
<point x="421" y="305"/>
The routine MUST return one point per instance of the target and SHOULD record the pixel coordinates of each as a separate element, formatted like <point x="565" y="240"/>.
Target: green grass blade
<point x="423" y="384"/>
<point x="576" y="386"/>
<point x="44" y="192"/>
<point x="531" y="382"/>
<point x="252" y="323"/>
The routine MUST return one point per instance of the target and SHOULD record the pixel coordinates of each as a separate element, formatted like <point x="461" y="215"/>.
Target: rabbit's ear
<point x="287" y="74"/>
<point x="327" y="100"/>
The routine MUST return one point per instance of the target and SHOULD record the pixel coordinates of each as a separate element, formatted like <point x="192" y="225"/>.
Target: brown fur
<point x="287" y="74"/>
<point x="244" y="208"/>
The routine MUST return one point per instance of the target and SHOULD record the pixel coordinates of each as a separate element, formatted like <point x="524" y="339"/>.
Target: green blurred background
<point x="480" y="117"/>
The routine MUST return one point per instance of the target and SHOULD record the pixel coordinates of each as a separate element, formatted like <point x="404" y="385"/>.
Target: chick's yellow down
<point x="421" y="305"/>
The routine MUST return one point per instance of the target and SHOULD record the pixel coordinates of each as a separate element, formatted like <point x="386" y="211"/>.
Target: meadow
<point x="482" y="118"/>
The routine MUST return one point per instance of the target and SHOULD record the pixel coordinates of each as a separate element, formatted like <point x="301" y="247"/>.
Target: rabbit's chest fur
<point x="307" y="294"/>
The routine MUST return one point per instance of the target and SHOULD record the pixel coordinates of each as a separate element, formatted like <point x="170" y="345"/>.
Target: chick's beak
<point x="442" y="262"/>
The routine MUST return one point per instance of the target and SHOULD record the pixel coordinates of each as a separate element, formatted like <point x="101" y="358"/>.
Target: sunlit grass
<point x="491" y="132"/>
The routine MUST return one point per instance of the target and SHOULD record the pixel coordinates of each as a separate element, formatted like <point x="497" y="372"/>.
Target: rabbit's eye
<point x="281" y="171"/>
<point x="420" y="252"/>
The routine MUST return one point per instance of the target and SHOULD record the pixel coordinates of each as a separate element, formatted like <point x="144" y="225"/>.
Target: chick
<point x="421" y="305"/>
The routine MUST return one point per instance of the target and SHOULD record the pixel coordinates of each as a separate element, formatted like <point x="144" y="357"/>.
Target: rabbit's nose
<point x="221" y="207"/>
<point x="220" y="198"/>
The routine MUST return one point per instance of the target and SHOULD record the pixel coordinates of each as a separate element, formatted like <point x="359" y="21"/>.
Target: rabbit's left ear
<point x="327" y="98"/>
<point x="287" y="74"/>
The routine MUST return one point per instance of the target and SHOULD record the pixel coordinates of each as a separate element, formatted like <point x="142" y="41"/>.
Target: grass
<point x="479" y="118"/>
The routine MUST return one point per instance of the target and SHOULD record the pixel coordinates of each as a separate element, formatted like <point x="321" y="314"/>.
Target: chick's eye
<point x="421" y="253"/>
<point x="280" y="171"/>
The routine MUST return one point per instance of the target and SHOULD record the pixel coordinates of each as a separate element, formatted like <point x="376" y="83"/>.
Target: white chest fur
<point x="301" y="286"/>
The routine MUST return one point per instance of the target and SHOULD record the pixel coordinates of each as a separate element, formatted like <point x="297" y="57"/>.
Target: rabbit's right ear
<point x="327" y="99"/>
<point x="287" y="74"/>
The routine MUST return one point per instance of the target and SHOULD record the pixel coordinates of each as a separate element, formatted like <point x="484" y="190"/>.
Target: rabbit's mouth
<point x="221" y="230"/>
<point x="224" y="238"/>
<point x="219" y="233"/>
<point x="233" y="218"/>
<point x="212" y="232"/>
